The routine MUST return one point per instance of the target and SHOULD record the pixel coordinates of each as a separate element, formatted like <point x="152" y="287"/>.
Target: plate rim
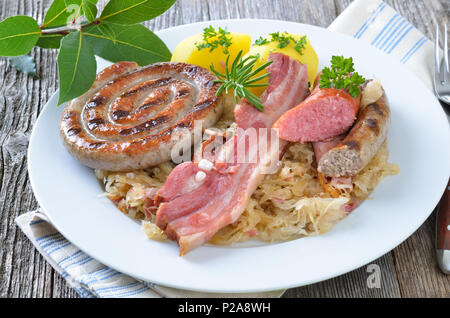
<point x="304" y="282"/>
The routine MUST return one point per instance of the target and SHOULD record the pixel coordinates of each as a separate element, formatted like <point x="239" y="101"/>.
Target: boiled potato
<point x="187" y="51"/>
<point x="309" y="57"/>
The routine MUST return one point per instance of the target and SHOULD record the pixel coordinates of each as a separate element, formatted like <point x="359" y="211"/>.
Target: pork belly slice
<point x="217" y="200"/>
<point x="195" y="203"/>
<point x="286" y="87"/>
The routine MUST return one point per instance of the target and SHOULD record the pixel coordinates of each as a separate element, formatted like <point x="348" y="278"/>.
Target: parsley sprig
<point x="342" y="75"/>
<point x="261" y="41"/>
<point x="213" y="38"/>
<point x="283" y="39"/>
<point x="237" y="77"/>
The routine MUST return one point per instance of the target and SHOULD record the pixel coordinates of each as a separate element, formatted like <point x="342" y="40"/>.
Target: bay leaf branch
<point x="18" y="35"/>
<point x="134" y="11"/>
<point x="76" y="66"/>
<point x="127" y="43"/>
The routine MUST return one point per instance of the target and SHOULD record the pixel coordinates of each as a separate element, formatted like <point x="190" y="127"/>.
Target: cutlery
<point x="443" y="232"/>
<point x="441" y="68"/>
<point x="442" y="90"/>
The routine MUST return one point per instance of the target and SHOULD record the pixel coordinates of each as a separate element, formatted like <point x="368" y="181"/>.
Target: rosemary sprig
<point x="238" y="78"/>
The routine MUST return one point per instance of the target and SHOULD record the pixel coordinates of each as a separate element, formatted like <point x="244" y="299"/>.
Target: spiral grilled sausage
<point x="132" y="117"/>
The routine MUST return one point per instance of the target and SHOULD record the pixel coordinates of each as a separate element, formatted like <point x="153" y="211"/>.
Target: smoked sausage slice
<point x="361" y="143"/>
<point x="326" y="113"/>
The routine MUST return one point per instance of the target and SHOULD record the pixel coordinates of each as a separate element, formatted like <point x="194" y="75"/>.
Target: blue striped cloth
<point x="87" y="276"/>
<point x="368" y="20"/>
<point x="378" y="24"/>
<point x="90" y="278"/>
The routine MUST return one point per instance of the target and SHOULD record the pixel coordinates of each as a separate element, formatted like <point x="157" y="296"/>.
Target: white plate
<point x="419" y="141"/>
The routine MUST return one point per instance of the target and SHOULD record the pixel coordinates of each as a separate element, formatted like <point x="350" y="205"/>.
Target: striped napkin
<point x="376" y="23"/>
<point x="369" y="20"/>
<point x="89" y="277"/>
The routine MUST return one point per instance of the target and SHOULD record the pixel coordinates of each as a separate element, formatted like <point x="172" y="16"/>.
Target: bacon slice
<point x="191" y="210"/>
<point x="150" y="207"/>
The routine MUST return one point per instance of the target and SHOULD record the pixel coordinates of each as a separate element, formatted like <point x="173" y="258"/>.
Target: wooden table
<point x="410" y="270"/>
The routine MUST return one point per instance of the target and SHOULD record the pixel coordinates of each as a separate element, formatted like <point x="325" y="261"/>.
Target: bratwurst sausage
<point x="362" y="142"/>
<point x="132" y="117"/>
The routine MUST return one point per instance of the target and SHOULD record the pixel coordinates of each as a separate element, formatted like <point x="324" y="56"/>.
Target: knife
<point x="443" y="232"/>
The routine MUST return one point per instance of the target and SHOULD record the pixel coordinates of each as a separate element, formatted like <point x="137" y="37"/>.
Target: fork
<point x="442" y="90"/>
<point x="441" y="69"/>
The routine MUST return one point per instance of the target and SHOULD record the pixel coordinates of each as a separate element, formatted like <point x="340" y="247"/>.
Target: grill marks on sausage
<point x="144" y="126"/>
<point x="100" y="100"/>
<point x="150" y="85"/>
<point x="70" y="115"/>
<point x="96" y="101"/>
<point x="191" y="70"/>
<point x="73" y="131"/>
<point x="152" y="103"/>
<point x="94" y="123"/>
<point x="373" y="124"/>
<point x="153" y="84"/>
<point x="352" y="145"/>
<point x="119" y="114"/>
<point x="208" y="84"/>
<point x="165" y="132"/>
<point x="376" y="108"/>
<point x="182" y="93"/>
<point x="204" y="104"/>
<point x="96" y="145"/>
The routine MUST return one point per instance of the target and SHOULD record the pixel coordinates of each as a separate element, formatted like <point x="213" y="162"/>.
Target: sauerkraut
<point x="287" y="205"/>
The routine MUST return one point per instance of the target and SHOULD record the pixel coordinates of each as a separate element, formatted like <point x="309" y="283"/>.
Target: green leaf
<point x="57" y="14"/>
<point x="134" y="11"/>
<point x="127" y="43"/>
<point x="50" y="41"/>
<point x="24" y="64"/>
<point x="18" y="35"/>
<point x="74" y="10"/>
<point x="76" y="66"/>
<point x="107" y="31"/>
<point x="89" y="9"/>
<point x="62" y="13"/>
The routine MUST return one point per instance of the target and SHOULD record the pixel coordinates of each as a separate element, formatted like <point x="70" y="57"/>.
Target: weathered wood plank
<point x="409" y="271"/>
<point x="416" y="265"/>
<point x="418" y="276"/>
<point x="355" y="283"/>
<point x="23" y="272"/>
